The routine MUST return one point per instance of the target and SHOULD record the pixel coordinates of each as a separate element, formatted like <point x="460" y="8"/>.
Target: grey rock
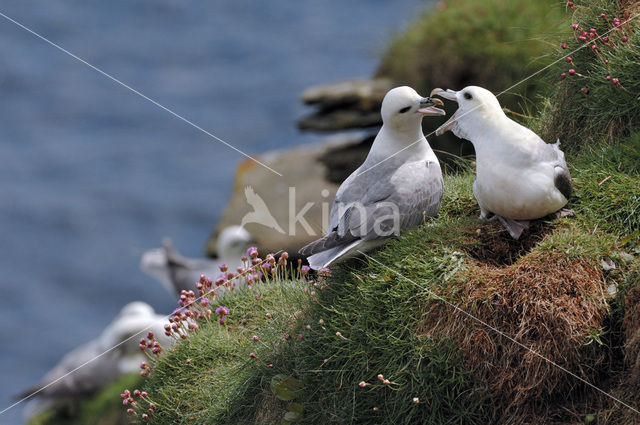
<point x="310" y="178"/>
<point x="345" y="105"/>
<point x="365" y="92"/>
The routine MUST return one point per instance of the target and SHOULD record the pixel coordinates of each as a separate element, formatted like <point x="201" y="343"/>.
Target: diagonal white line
<point x="471" y="316"/>
<point x="114" y="79"/>
<point x="80" y="367"/>
<point x="108" y="350"/>
<point x="502" y="92"/>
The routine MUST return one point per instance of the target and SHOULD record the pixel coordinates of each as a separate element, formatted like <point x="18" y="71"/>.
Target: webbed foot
<point x="514" y="227"/>
<point x="564" y="212"/>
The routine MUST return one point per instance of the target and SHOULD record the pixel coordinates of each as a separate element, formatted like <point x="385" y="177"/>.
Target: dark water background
<point x="91" y="175"/>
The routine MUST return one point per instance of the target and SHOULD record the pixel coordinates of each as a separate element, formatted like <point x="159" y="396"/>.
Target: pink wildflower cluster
<point x="195" y="306"/>
<point x="613" y="33"/>
<point x="150" y="344"/>
<point x="135" y="399"/>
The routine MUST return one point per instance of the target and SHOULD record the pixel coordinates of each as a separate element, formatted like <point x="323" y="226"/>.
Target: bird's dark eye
<point x="405" y="109"/>
<point x="467" y="95"/>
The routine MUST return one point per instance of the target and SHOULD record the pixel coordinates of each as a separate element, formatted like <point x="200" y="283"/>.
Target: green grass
<point x="379" y="315"/>
<point x="366" y="320"/>
<point x="488" y="43"/>
<point x="103" y="408"/>
<point x="196" y="382"/>
<point x="210" y="378"/>
<point x="607" y="111"/>
<point x="607" y="178"/>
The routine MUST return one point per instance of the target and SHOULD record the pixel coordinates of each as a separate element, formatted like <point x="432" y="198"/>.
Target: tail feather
<point x="323" y="259"/>
<point x="173" y="256"/>
<point x="332" y="240"/>
<point x="26" y="393"/>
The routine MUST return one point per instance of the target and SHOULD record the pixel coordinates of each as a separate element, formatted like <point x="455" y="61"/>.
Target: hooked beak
<point x="449" y="95"/>
<point x="427" y="107"/>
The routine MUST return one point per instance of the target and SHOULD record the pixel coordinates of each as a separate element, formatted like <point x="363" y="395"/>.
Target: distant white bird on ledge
<point x="397" y="186"/>
<point x="94" y="364"/>
<point x="519" y="177"/>
<point x="176" y="272"/>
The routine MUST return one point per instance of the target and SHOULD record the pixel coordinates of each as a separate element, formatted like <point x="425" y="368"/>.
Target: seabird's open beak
<point x="427" y="107"/>
<point x="449" y="95"/>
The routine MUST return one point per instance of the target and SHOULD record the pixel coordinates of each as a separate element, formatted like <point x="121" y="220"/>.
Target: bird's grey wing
<point x="395" y="200"/>
<point x="362" y="188"/>
<point x="382" y="201"/>
<point x="551" y="154"/>
<point x="356" y="189"/>
<point x="413" y="192"/>
<point x="332" y="240"/>
<point x="351" y="190"/>
<point x="170" y="268"/>
<point x="186" y="278"/>
<point x="562" y="181"/>
<point x="424" y="190"/>
<point x="70" y="378"/>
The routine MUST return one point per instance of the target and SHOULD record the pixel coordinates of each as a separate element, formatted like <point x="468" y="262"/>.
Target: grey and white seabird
<point x="519" y="177"/>
<point x="397" y="186"/>
<point x="176" y="272"/>
<point x="94" y="364"/>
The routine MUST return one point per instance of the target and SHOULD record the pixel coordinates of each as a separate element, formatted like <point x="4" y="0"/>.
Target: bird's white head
<point x="233" y="242"/>
<point x="136" y="309"/>
<point x="132" y="319"/>
<point x="474" y="103"/>
<point x="403" y="108"/>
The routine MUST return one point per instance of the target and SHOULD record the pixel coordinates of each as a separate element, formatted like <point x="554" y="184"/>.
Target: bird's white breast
<point x="518" y="189"/>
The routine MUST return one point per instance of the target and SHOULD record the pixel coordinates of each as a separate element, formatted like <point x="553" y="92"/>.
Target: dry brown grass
<point x="544" y="301"/>
<point x="631" y="324"/>
<point x="631" y="6"/>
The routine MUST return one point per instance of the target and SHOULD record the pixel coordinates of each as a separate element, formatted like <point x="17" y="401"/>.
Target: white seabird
<point x="176" y="272"/>
<point x="90" y="366"/>
<point x="519" y="177"/>
<point x="399" y="183"/>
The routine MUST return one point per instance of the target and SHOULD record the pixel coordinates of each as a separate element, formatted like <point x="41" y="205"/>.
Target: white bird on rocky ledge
<point x="399" y="183"/>
<point x="519" y="177"/>
<point x="176" y="272"/>
<point x="94" y="364"/>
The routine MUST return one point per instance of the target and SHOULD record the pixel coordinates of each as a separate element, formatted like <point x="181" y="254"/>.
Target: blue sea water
<point x="91" y="174"/>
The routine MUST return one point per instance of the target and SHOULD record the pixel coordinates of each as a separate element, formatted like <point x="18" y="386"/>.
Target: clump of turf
<point x="198" y="380"/>
<point x="546" y="302"/>
<point x="392" y="315"/>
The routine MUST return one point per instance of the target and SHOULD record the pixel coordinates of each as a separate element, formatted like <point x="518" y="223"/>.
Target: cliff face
<point x="453" y="322"/>
<point x="560" y="299"/>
